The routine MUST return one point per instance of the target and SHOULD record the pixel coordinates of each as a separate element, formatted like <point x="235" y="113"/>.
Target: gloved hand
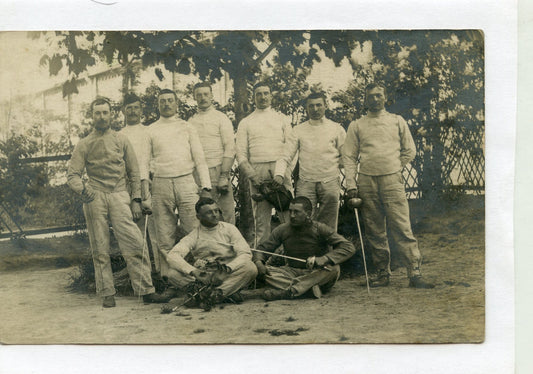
<point x="277" y="182"/>
<point x="87" y="195"/>
<point x="351" y="193"/>
<point x="322" y="261"/>
<point x="146" y="206"/>
<point x="262" y="270"/>
<point x="224" y="268"/>
<point x="136" y="210"/>
<point x="220" y="275"/>
<point x="203" y="277"/>
<point x="222" y="184"/>
<point x="205" y="194"/>
<point x="318" y="262"/>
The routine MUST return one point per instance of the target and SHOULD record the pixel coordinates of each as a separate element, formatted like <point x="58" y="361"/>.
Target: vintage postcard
<point x="143" y="174"/>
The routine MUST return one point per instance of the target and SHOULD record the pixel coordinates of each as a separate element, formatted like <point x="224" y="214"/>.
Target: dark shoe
<point x="109" y="302"/>
<point x="418" y="282"/>
<point x="273" y="294"/>
<point x="170" y="293"/>
<point x="382" y="280"/>
<point x="235" y="298"/>
<point x="251" y="294"/>
<point x="155" y="298"/>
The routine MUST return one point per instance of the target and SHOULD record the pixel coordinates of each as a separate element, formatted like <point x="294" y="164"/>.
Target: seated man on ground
<point x="319" y="247"/>
<point x="221" y="258"/>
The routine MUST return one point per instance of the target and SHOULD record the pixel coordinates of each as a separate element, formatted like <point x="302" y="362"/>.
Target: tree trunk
<point x="174" y="81"/>
<point x="242" y="109"/>
<point x="125" y="82"/>
<point x="126" y="74"/>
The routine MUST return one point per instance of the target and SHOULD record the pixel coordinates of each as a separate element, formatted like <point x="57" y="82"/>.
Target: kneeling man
<point x="220" y="255"/>
<point x="319" y="247"/>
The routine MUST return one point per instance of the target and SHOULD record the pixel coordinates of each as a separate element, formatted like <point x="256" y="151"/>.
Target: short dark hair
<point x="308" y="207"/>
<point x="131" y="98"/>
<point x="316" y="95"/>
<point x="373" y="85"/>
<point x="262" y="84"/>
<point x="167" y="91"/>
<point x="203" y="201"/>
<point x="202" y="84"/>
<point x="99" y="101"/>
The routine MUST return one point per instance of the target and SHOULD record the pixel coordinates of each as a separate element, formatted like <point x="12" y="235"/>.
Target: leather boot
<point x="381" y="280"/>
<point x="273" y="294"/>
<point x="155" y="298"/>
<point x="418" y="282"/>
<point x="109" y="302"/>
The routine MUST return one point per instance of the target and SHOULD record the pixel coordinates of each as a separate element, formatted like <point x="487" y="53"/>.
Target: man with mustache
<point x="261" y="139"/>
<point x="175" y="151"/>
<point x="220" y="257"/>
<point x="218" y="141"/>
<point x="109" y="160"/>
<point x="137" y="134"/>
<point x="382" y="145"/>
<point x="318" y="143"/>
<point x="319" y="247"/>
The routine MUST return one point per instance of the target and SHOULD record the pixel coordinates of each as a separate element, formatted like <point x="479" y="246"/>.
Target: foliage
<point x="435" y="80"/>
<point x="206" y="54"/>
<point x="52" y="206"/>
<point x="75" y="51"/>
<point x="18" y="180"/>
<point x="289" y="89"/>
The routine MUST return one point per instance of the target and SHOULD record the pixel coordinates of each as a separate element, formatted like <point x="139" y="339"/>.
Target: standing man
<point x="218" y="141"/>
<point x="108" y="158"/>
<point x="137" y="135"/>
<point x="261" y="139"/>
<point x="175" y="151"/>
<point x="319" y="247"/>
<point x="382" y="144"/>
<point x="220" y="257"/>
<point x="318" y="143"/>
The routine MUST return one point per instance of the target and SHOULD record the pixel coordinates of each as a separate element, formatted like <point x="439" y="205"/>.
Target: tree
<point x="210" y="55"/>
<point x="79" y="50"/>
<point x="435" y="80"/>
<point x="240" y="54"/>
<point x="289" y="89"/>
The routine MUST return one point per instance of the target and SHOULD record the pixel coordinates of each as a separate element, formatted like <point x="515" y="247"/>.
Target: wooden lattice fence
<point x="449" y="160"/>
<point x="461" y="162"/>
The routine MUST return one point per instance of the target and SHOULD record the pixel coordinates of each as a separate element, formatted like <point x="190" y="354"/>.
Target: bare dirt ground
<point x="36" y="307"/>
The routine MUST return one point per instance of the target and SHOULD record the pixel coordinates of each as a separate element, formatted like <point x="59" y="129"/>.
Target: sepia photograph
<point x="260" y="187"/>
<point x="242" y="187"/>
